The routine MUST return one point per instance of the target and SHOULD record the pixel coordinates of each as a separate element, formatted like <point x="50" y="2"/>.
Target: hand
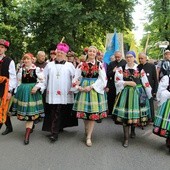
<point x="9" y="96"/>
<point x="106" y="89"/>
<point x="80" y="88"/>
<point x="34" y="90"/>
<point x="114" y="69"/>
<point x="132" y="83"/>
<point x="88" y="88"/>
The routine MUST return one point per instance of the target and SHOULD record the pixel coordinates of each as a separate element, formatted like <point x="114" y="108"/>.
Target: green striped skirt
<point x="27" y="106"/>
<point x="162" y="120"/>
<point x="90" y="105"/>
<point x="131" y="108"/>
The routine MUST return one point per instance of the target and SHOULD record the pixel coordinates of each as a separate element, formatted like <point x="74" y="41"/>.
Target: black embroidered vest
<point x="4" y="71"/>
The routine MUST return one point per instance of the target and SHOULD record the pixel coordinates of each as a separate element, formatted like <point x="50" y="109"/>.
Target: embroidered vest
<point x="4" y="71"/>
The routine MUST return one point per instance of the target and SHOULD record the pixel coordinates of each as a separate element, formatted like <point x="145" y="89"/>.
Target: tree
<point x="158" y="25"/>
<point x="11" y="26"/>
<point x="33" y="25"/>
<point x="82" y="22"/>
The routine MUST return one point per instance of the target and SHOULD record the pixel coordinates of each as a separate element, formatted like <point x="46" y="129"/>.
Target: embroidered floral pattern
<point x="58" y="92"/>
<point x="91" y="116"/>
<point x="147" y="84"/>
<point x="89" y="70"/>
<point x="135" y="74"/>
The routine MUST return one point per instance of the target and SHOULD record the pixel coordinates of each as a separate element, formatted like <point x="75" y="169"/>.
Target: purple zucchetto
<point x="131" y="53"/>
<point x="63" y="47"/>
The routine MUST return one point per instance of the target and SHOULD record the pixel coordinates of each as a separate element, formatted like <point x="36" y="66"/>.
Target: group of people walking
<point x="91" y="91"/>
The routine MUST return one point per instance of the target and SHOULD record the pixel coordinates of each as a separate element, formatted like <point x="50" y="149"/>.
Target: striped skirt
<point x="90" y="105"/>
<point x="162" y="120"/>
<point x="27" y="106"/>
<point x="130" y="108"/>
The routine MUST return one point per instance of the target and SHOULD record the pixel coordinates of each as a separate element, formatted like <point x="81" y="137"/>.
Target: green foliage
<point x="33" y="25"/>
<point x="158" y="25"/>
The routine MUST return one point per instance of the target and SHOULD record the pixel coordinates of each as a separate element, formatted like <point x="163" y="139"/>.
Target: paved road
<point x="147" y="151"/>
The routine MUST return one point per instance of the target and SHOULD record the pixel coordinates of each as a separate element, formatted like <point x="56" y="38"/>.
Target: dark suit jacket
<point x="111" y="66"/>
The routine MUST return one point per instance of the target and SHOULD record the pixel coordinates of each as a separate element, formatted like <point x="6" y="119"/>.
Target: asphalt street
<point x="146" y="151"/>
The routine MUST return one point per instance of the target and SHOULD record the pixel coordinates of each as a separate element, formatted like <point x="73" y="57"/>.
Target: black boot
<point x="53" y="138"/>
<point x="27" y="135"/>
<point x="1" y="125"/>
<point x="132" y="135"/>
<point x="8" y="124"/>
<point x="126" y="136"/>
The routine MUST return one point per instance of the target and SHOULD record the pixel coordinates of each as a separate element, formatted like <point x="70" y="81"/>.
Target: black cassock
<point x="68" y="118"/>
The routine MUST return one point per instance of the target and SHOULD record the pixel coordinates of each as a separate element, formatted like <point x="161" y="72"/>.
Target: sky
<point x="139" y="18"/>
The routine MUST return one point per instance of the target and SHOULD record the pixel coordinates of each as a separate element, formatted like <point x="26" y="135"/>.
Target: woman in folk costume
<point x="28" y="99"/>
<point x="90" y="101"/>
<point x="131" y="107"/>
<point x="162" y="118"/>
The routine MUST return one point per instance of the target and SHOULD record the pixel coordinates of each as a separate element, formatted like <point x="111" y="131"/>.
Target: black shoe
<point x="61" y="130"/>
<point x="26" y="142"/>
<point x="49" y="135"/>
<point x="8" y="130"/>
<point x="53" y="138"/>
<point x="99" y="121"/>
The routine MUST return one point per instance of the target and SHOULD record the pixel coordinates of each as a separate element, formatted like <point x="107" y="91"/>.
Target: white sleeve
<point x="146" y="84"/>
<point x="101" y="81"/>
<point x="163" y="94"/>
<point x="12" y="76"/>
<point x="40" y="79"/>
<point x="119" y="82"/>
<point x="77" y="78"/>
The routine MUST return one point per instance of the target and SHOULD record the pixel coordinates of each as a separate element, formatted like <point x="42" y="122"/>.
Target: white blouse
<point x="100" y="83"/>
<point x="163" y="94"/>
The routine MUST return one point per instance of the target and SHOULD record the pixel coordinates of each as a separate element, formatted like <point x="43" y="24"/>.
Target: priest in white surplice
<point x="58" y="74"/>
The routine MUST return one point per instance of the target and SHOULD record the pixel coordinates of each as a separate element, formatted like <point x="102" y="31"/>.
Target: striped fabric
<point x="90" y="105"/>
<point x="128" y="108"/>
<point x="27" y="106"/>
<point x="162" y="120"/>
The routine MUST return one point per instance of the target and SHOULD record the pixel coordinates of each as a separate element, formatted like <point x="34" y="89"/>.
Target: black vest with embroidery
<point x="131" y="75"/>
<point x="89" y="70"/>
<point x="29" y="76"/>
<point x="4" y="71"/>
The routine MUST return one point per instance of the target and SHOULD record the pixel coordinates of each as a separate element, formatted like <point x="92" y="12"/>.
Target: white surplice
<point x="58" y="82"/>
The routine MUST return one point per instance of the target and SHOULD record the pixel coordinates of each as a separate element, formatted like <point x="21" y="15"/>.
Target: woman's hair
<point x="27" y="55"/>
<point x="92" y="46"/>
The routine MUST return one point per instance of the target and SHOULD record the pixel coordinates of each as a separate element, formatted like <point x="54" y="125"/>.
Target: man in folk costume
<point x="7" y="70"/>
<point x="58" y="75"/>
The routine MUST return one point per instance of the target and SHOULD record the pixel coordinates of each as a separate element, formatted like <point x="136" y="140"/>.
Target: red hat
<point x="29" y="54"/>
<point x="63" y="47"/>
<point x="52" y="52"/>
<point x="4" y="43"/>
